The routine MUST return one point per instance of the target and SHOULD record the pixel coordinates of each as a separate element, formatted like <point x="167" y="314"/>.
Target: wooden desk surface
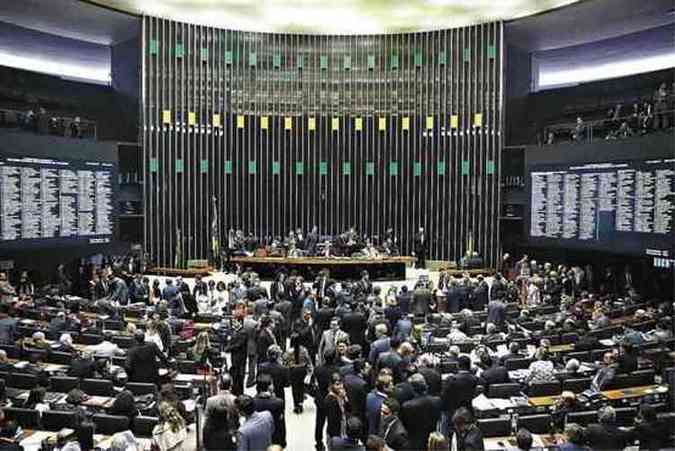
<point x="562" y="348"/>
<point x="543" y="401"/>
<point x="634" y="392"/>
<point x="324" y="260"/>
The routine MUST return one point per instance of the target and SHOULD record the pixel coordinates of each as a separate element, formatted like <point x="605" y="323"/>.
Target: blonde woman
<point x="170" y="433"/>
<point x="200" y="351"/>
<point x="152" y="335"/>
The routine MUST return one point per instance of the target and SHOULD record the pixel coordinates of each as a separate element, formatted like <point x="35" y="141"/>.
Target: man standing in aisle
<point x="421" y="248"/>
<point x="237" y="347"/>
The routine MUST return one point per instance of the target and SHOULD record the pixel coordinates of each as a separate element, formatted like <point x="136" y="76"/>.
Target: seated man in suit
<point x="143" y="359"/>
<point x="605" y="375"/>
<point x="606" y="434"/>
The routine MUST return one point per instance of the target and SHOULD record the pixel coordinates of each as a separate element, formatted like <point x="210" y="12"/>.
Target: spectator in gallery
<point x="660" y="107"/>
<point x="579" y="132"/>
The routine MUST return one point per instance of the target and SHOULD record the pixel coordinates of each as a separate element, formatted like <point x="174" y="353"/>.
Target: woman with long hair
<point x="217" y="432"/>
<point x="200" y="351"/>
<point x="171" y="432"/>
<point x="299" y="365"/>
<point x="437" y="442"/>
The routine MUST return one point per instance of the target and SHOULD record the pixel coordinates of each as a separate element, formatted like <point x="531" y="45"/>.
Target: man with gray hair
<point x="381" y="344"/>
<point x="606" y="434"/>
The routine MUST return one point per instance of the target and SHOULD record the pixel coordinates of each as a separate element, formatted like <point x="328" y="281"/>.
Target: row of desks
<point x="610" y="395"/>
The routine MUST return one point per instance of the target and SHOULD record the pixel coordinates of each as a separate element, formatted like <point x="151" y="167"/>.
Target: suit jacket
<point x="470" y="440"/>
<point x="496" y="374"/>
<point x="237" y="347"/>
<point x="404" y="301"/>
<point x="340" y="443"/>
<point x="421" y="302"/>
<point x="454" y="300"/>
<point x="378" y="347"/>
<point x="421" y="243"/>
<point x="357" y="392"/>
<point x="374" y="402"/>
<point x="275" y="406"/>
<point x="141" y="364"/>
<point x="496" y="313"/>
<point x="433" y="379"/>
<point x="654" y="435"/>
<point x="280" y="376"/>
<point x="604" y="378"/>
<point x="600" y="436"/>
<point x="355" y="324"/>
<point x="420" y="415"/>
<point x="250" y="327"/>
<point x="459" y="391"/>
<point x="394" y="433"/>
<point x="334" y="416"/>
<point x="480" y="296"/>
<point x="627" y="363"/>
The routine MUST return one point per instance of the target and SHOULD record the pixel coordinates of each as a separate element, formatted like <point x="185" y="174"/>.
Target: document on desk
<point x="606" y="342"/>
<point x="34" y="442"/>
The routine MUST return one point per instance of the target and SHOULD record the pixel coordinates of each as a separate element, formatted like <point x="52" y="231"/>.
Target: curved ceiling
<point x="335" y="16"/>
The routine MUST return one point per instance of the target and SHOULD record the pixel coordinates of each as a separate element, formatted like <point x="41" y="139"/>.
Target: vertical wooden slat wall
<point x="295" y="131"/>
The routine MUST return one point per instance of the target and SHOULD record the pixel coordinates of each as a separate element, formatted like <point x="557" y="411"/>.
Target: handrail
<point x="60" y="123"/>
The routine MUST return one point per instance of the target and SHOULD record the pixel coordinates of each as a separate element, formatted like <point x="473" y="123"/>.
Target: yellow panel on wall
<point x="311" y="123"/>
<point x="216" y="120"/>
<point x="264" y="122"/>
<point x="478" y="119"/>
<point x="454" y="121"/>
<point x="382" y="124"/>
<point x="405" y="123"/>
<point x="192" y="118"/>
<point x="288" y="123"/>
<point x="335" y="123"/>
<point x="358" y="124"/>
<point x="240" y="121"/>
<point x="166" y="116"/>
<point x="430" y="122"/>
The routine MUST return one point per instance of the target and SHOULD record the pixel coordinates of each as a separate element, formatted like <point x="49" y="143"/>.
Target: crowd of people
<point x="367" y="353"/>
<point x="623" y="121"/>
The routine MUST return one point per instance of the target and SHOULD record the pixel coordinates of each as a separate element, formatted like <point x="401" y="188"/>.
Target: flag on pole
<point x="215" y="232"/>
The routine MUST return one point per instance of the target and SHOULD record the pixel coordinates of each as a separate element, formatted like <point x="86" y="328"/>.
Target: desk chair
<point x="568" y="338"/>
<point x="495" y="427"/>
<point x="503" y="390"/>
<point x="112" y="324"/>
<point x="110" y="424"/>
<point x="90" y="339"/>
<point x="583" y="418"/>
<point x="54" y="420"/>
<point x="576" y="385"/>
<point x="13" y="352"/>
<point x="22" y="381"/>
<point x="544" y="389"/>
<point x="63" y="384"/>
<point x="536" y="424"/>
<point x="26" y="418"/>
<point x="59" y="358"/>
<point x="140" y="388"/>
<point x="123" y="342"/>
<point x="97" y="387"/>
<point x="517" y="364"/>
<point x="187" y="366"/>
<point x="625" y="416"/>
<point x="142" y="426"/>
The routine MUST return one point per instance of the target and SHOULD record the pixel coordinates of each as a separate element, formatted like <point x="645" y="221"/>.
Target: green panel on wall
<point x="417" y="169"/>
<point x="276" y="60"/>
<point x="492" y="51"/>
<point x="347" y="62"/>
<point x="204" y="53"/>
<point x="179" y="50"/>
<point x="490" y="167"/>
<point x="154" y="47"/>
<point x="370" y="168"/>
<point x="465" y="167"/>
<point x="299" y="63"/>
<point x="228" y="167"/>
<point x="276" y="168"/>
<point x="228" y="56"/>
<point x="442" y="57"/>
<point x="252" y="167"/>
<point x="467" y="55"/>
<point x="204" y="166"/>
<point x="299" y="168"/>
<point x="179" y="166"/>
<point x="346" y="168"/>
<point x="323" y="168"/>
<point x="393" y="62"/>
<point x="418" y="58"/>
<point x="252" y="59"/>
<point x="371" y="62"/>
<point x="393" y="168"/>
<point x="154" y="165"/>
<point x="440" y="168"/>
<point x="323" y="62"/>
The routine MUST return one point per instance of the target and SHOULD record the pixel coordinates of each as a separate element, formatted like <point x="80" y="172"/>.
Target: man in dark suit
<point x="460" y="389"/>
<point x="496" y="313"/>
<point x="480" y="294"/>
<point x="454" y="297"/>
<point x="380" y="345"/>
<point x="403" y="298"/>
<point x="421" y="248"/>
<point x="422" y="302"/>
<point x="237" y="347"/>
<point x="355" y="324"/>
<point x="605" y="376"/>
<point x="351" y="440"/>
<point x="265" y="400"/>
<point x="431" y="375"/>
<point x="606" y="434"/>
<point x="420" y="414"/>
<point x="391" y="427"/>
<point x="494" y="372"/>
<point x="652" y="432"/>
<point x="357" y="389"/>
<point x="279" y="373"/>
<point x="142" y="361"/>
<point x="323" y="374"/>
